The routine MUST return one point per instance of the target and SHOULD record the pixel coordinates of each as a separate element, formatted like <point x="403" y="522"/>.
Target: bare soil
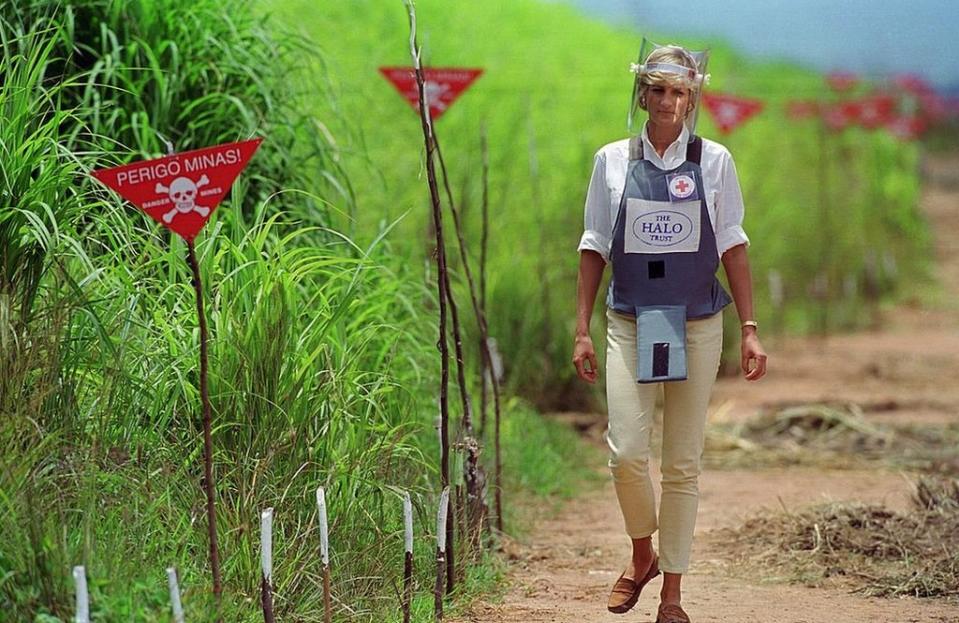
<point x="903" y="373"/>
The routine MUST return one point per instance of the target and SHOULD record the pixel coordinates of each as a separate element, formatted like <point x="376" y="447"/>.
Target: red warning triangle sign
<point x="443" y="85"/>
<point x="875" y="110"/>
<point x="729" y="111"/>
<point x="841" y="115"/>
<point x="906" y="127"/>
<point x="181" y="191"/>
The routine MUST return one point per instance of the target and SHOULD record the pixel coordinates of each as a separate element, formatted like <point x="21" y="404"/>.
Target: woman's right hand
<point x="583" y="353"/>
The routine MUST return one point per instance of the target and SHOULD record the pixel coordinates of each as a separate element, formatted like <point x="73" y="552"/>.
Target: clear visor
<point x="692" y="78"/>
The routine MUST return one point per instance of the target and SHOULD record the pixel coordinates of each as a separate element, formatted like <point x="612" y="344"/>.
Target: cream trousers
<point x="632" y="406"/>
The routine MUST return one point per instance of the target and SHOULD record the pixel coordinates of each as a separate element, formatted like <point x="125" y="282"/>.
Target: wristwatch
<point x="750" y="323"/>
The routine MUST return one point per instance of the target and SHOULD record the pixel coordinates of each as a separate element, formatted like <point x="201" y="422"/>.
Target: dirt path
<point x="562" y="573"/>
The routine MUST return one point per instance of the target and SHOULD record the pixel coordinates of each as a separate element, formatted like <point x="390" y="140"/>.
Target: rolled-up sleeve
<point x="597" y="228"/>
<point x="729" y="209"/>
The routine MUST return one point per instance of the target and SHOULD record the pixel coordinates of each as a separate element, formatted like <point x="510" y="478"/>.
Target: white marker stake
<point x="325" y="553"/>
<point x="266" y="544"/>
<point x="175" y="595"/>
<point x="496" y="357"/>
<point x="324" y="526"/>
<point x="408" y="521"/>
<point x="83" y="599"/>
<point x="441" y="520"/>
<point x="266" y="562"/>
<point x="440" y="554"/>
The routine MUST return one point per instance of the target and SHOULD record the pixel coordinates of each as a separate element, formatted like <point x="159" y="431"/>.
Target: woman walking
<point x="663" y="208"/>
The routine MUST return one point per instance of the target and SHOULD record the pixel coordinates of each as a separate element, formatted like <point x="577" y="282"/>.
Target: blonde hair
<point x="675" y="55"/>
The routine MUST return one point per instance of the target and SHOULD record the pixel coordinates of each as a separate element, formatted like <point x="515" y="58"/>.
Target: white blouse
<point x="724" y="199"/>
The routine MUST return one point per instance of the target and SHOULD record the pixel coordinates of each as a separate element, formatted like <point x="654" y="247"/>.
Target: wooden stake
<point x="471" y="468"/>
<point x="484" y="239"/>
<point x="441" y="277"/>
<point x="208" y="483"/>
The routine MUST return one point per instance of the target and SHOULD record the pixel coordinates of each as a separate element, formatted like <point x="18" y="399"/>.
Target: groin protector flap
<point x="660" y="343"/>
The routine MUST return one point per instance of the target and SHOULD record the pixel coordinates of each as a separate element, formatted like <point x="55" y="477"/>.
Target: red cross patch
<point x="682" y="186"/>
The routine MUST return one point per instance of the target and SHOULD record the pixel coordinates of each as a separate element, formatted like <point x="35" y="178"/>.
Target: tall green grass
<point x="164" y="72"/>
<point x="35" y="169"/>
<point x="323" y="363"/>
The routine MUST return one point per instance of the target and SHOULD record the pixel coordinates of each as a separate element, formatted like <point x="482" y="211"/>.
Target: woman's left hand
<point x="753" y="353"/>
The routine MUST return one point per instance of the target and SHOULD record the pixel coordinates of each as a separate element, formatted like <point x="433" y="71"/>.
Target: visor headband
<point x="688" y="74"/>
<point x="670" y="68"/>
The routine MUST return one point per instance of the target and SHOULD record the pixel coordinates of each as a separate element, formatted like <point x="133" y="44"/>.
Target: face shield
<point x="655" y="65"/>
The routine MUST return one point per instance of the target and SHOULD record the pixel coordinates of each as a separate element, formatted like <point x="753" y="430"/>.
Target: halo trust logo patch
<point x="663" y="228"/>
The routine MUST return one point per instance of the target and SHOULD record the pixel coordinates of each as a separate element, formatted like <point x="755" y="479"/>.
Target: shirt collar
<point x="674" y="155"/>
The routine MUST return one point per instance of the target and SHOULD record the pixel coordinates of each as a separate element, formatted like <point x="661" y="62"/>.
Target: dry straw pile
<point x="870" y="548"/>
<point x="836" y="435"/>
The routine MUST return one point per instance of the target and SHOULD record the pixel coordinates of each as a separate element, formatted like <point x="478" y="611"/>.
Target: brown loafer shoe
<point x="671" y="613"/>
<point x="626" y="591"/>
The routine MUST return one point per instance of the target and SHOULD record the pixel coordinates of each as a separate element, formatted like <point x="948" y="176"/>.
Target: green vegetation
<point x="323" y="359"/>
<point x="556" y="87"/>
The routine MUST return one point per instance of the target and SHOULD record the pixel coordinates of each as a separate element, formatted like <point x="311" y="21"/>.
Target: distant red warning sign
<point x="181" y="191"/>
<point x="876" y="110"/>
<point x="443" y="85"/>
<point x="729" y="111"/>
<point x="906" y="128"/>
<point x="842" y="81"/>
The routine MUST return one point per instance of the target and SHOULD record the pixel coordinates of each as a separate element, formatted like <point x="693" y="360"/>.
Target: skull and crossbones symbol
<point x="434" y="91"/>
<point x="183" y="193"/>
